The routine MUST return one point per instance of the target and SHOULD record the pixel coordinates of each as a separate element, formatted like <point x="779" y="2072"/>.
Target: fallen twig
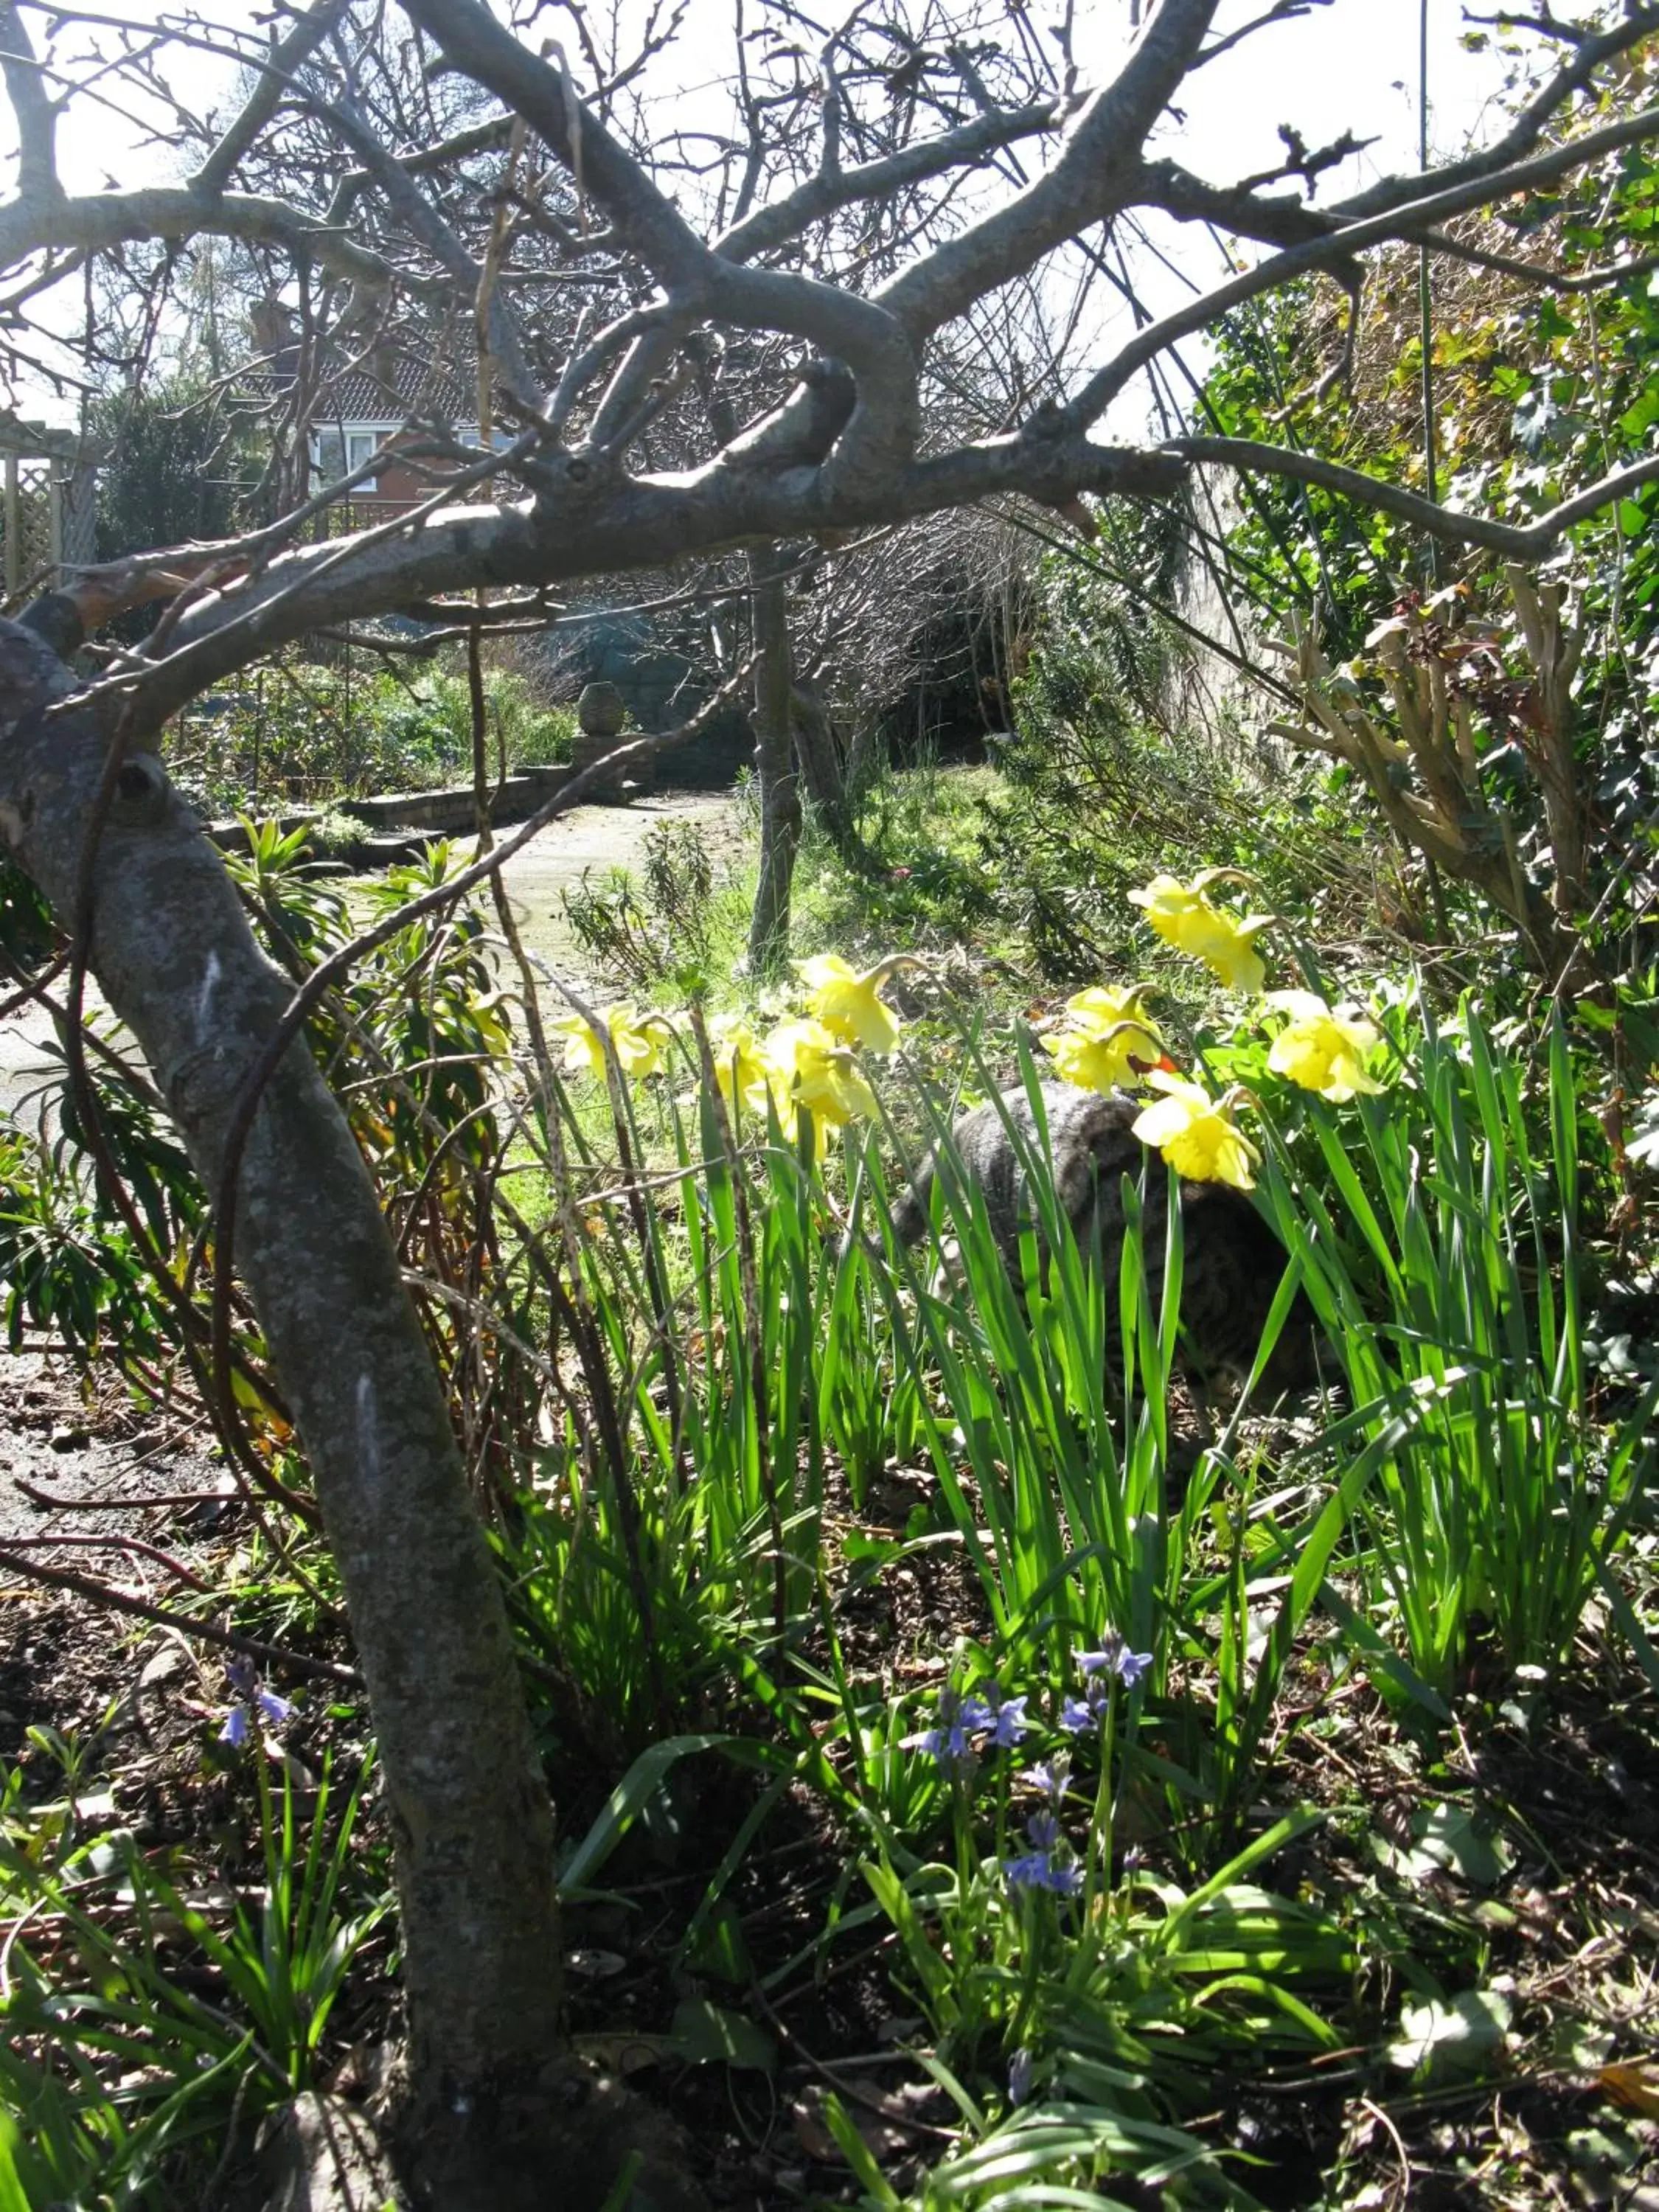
<point x="226" y="1639"/>
<point x="184" y="1574"/>
<point x="36" y="1496"/>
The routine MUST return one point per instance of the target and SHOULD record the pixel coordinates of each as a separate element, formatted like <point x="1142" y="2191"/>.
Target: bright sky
<point x="1350" y="64"/>
<point x="1353" y="65"/>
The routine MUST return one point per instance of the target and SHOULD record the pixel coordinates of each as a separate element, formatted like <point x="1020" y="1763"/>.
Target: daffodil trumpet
<point x="849" y="1004"/>
<point x="1182" y="916"/>
<point x="808" y="1071"/>
<point x="1197" y="1134"/>
<point x="1105" y="1058"/>
<point x="1324" y="1048"/>
<point x="631" y="1043"/>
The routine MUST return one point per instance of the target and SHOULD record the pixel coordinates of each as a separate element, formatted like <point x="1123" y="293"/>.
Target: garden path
<point x="66" y="1443"/>
<point x="595" y="837"/>
<point x="600" y="837"/>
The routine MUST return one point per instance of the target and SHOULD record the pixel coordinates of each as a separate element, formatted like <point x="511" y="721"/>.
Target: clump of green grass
<point x="139" y="2024"/>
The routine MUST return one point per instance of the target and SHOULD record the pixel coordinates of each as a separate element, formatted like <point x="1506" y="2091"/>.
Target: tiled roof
<point x="406" y="385"/>
<point x="417" y="387"/>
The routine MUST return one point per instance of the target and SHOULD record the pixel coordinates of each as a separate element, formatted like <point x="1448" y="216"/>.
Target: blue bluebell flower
<point x="963" y="1720"/>
<point x="1115" y="1659"/>
<point x="1029" y="1870"/>
<point x="1106" y="1660"/>
<point x="1009" y="1724"/>
<point x="1040" y="1868"/>
<point x="1052" y="1777"/>
<point x="253" y="1705"/>
<point x="950" y="1744"/>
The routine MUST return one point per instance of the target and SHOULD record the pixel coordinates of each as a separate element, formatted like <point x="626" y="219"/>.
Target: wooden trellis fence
<point x="46" y="509"/>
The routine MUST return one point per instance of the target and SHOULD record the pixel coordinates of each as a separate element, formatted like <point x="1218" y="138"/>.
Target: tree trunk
<point x="780" y="788"/>
<point x="177" y="962"/>
<point x="826" y="779"/>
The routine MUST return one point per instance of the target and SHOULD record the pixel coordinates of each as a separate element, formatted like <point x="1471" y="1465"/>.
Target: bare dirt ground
<point x="79" y="1471"/>
<point x="89" y="1487"/>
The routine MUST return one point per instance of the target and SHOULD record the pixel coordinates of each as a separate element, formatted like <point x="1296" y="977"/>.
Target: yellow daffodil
<point x="811" y="1070"/>
<point x="1324" y="1048"/>
<point x="1109" y="1043"/>
<point x="1232" y="956"/>
<point x="1182" y="916"/>
<point x="849" y="1004"/>
<point x="741" y="1067"/>
<point x="1197" y="1133"/>
<point x="1175" y="909"/>
<point x="639" y="1040"/>
<point x="1105" y="1006"/>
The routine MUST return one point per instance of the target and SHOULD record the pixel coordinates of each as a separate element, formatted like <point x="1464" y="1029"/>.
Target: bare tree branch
<point x="98" y="223"/>
<point x="1092" y="177"/>
<point x="275" y="78"/>
<point x="1529" y="126"/>
<point x="1519" y="541"/>
<point x="1405" y="221"/>
<point x="779" y="221"/>
<point x="37" y="119"/>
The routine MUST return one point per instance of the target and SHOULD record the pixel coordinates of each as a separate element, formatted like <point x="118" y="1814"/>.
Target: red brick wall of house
<point x="396" y="485"/>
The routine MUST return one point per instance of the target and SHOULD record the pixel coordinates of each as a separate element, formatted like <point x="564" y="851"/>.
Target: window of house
<point x="362" y="445"/>
<point x="327" y="457"/>
<point x="336" y="451"/>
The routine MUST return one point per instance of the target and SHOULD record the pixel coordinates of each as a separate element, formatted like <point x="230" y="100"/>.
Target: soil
<point x="84" y="1483"/>
<point x="64" y="1445"/>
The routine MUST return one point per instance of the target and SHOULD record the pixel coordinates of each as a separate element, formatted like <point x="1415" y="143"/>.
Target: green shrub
<point x="316" y="733"/>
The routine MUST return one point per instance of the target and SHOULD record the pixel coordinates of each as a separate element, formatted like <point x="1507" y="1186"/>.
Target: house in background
<point x="360" y="408"/>
<point x="366" y="410"/>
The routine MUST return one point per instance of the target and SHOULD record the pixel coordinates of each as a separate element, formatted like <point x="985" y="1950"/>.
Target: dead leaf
<point x="1633" y="2082"/>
